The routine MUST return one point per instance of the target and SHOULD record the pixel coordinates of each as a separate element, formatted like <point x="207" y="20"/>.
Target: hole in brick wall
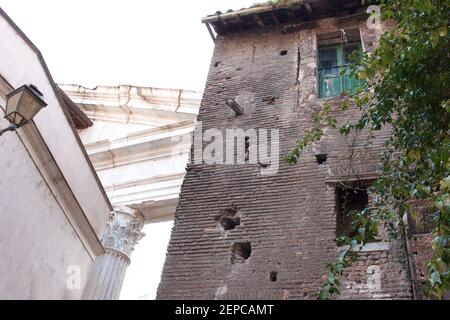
<point x="240" y="252"/>
<point x="283" y="52"/>
<point x="217" y="63"/>
<point x="273" y="276"/>
<point x="321" y="158"/>
<point x="228" y="219"/>
<point x="349" y="201"/>
<point x="270" y="99"/>
<point x="229" y="223"/>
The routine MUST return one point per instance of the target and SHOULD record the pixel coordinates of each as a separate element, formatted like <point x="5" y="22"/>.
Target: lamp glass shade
<point x="22" y="105"/>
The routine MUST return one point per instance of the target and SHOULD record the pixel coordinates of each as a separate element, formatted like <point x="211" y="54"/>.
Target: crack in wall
<point x="179" y="100"/>
<point x="253" y="53"/>
<point x="297" y="84"/>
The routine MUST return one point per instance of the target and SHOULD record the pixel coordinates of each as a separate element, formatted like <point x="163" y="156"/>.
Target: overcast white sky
<point x="111" y="42"/>
<point x="138" y="42"/>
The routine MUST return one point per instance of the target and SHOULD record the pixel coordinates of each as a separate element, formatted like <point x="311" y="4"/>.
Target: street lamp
<point x="21" y="106"/>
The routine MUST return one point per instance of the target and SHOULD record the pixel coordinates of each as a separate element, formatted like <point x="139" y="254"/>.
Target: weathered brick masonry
<point x="287" y="221"/>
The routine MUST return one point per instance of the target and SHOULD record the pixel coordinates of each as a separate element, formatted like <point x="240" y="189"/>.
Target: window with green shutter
<point x="333" y="68"/>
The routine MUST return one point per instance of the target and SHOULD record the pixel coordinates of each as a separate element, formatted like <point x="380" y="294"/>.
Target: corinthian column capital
<point x="123" y="230"/>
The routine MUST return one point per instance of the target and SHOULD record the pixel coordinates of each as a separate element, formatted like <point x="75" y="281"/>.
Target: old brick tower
<point x="240" y="234"/>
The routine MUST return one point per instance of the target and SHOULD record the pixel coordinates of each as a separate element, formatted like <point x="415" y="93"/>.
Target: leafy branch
<point x="407" y="90"/>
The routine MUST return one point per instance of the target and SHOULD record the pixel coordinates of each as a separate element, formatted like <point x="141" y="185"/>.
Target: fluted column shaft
<point x="108" y="271"/>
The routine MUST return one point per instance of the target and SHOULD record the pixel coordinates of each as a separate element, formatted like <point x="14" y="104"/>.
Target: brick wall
<point x="288" y="218"/>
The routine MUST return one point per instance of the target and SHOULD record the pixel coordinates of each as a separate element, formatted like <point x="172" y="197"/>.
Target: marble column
<point x="122" y="233"/>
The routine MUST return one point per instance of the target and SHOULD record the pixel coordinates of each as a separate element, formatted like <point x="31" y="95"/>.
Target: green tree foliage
<point x="273" y="3"/>
<point x="407" y="88"/>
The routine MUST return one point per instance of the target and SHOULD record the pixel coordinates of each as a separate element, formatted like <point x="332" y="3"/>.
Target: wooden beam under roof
<point x="235" y="107"/>
<point x="290" y="15"/>
<point x="226" y="25"/>
<point x="211" y="33"/>
<point x="259" y="21"/>
<point x="274" y="17"/>
<point x="309" y="10"/>
<point x="288" y="12"/>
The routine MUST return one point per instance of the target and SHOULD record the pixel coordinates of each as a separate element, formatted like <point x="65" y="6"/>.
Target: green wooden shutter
<point x="333" y="71"/>
<point x="329" y="61"/>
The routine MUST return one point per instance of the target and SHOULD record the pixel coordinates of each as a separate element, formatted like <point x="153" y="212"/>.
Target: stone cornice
<point x="147" y="181"/>
<point x="154" y="126"/>
<point x="145" y="146"/>
<point x="131" y="104"/>
<point x="140" y="137"/>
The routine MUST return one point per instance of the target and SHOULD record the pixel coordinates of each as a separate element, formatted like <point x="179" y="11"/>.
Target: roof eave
<point x="248" y="11"/>
<point x="281" y="14"/>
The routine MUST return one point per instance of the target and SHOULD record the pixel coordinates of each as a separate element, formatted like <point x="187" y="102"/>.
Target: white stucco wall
<point x="37" y="242"/>
<point x="52" y="208"/>
<point x="20" y="65"/>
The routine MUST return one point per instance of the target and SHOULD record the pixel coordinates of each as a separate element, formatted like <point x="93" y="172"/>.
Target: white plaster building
<point x="53" y="209"/>
<point x="71" y="215"/>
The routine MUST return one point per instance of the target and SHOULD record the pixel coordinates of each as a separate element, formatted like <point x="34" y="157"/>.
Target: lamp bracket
<point x="12" y="127"/>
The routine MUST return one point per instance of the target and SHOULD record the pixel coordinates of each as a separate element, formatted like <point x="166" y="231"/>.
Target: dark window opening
<point x="270" y="100"/>
<point x="273" y="276"/>
<point x="228" y="219"/>
<point x="240" y="252"/>
<point x="321" y="158"/>
<point x="336" y="51"/>
<point x="349" y="202"/>
<point x="283" y="53"/>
